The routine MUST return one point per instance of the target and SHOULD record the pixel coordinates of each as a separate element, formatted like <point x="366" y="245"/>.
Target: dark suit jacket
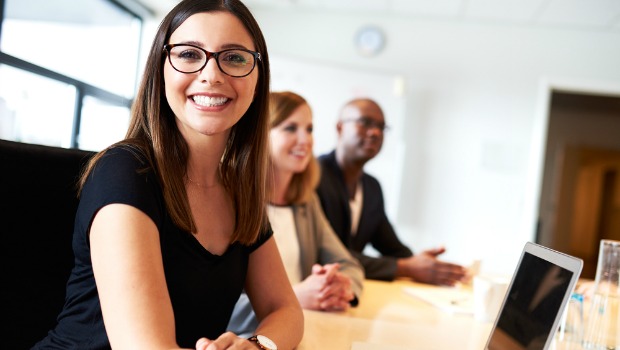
<point x="374" y="226"/>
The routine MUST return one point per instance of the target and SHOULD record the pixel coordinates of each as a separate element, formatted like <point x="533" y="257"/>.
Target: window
<point x="68" y="71"/>
<point x="102" y="123"/>
<point x="35" y="109"/>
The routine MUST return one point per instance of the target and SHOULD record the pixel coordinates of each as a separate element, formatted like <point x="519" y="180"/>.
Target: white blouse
<point x="285" y="234"/>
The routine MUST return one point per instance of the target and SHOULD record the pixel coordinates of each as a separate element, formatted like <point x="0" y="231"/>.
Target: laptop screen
<point x="533" y="302"/>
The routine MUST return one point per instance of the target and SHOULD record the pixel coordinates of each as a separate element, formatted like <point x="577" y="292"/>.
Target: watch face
<point x="266" y="342"/>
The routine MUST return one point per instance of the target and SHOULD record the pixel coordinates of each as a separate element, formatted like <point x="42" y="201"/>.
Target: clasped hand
<point x="326" y="289"/>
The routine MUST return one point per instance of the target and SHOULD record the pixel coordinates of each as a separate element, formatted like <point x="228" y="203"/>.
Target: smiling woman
<point x="150" y="243"/>
<point x="324" y="275"/>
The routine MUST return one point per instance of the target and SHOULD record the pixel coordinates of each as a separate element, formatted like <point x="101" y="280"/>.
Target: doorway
<point x="580" y="194"/>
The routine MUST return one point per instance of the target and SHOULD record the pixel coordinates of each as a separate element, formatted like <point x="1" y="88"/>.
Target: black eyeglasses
<point x="186" y="58"/>
<point x="368" y="123"/>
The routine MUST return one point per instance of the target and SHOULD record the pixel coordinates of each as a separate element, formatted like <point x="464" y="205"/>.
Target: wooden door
<point x="588" y="203"/>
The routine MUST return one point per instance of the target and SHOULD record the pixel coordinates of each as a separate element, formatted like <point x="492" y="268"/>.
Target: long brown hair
<point x="154" y="132"/>
<point x="281" y="106"/>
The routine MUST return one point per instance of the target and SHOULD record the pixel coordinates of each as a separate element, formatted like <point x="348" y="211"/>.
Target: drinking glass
<point x="570" y="334"/>
<point x="603" y="322"/>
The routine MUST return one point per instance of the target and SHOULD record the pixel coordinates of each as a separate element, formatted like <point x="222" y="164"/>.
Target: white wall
<point x="462" y="164"/>
<point x="468" y="133"/>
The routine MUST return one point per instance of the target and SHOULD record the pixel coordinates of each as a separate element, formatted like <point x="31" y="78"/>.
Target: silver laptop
<point x="538" y="293"/>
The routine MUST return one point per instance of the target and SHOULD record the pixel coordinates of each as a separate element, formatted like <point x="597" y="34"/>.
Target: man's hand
<point x="426" y="268"/>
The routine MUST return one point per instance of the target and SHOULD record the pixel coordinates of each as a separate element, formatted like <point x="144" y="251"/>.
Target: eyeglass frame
<point x="368" y="123"/>
<point x="209" y="54"/>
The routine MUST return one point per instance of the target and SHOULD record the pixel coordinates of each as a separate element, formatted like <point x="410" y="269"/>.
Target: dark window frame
<point x="82" y="89"/>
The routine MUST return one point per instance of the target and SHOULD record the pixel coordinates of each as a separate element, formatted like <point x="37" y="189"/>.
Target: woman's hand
<point x="326" y="289"/>
<point x="227" y="340"/>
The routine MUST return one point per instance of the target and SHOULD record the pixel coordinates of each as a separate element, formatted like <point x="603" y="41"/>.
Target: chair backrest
<point x="38" y="201"/>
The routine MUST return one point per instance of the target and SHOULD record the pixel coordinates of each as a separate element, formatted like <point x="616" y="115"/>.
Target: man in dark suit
<point x="353" y="203"/>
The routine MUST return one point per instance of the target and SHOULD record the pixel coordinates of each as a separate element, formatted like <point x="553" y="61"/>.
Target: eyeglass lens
<point x="191" y="59"/>
<point x="369" y="123"/>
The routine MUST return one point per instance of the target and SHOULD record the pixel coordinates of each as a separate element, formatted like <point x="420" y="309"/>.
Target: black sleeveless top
<point x="203" y="287"/>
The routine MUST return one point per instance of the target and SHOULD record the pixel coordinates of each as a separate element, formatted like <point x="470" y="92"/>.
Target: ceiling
<point x="600" y="15"/>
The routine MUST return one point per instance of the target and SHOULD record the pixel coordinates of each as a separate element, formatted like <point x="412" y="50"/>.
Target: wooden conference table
<point x="387" y="318"/>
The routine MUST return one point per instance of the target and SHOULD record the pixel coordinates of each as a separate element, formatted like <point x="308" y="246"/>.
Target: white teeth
<point x="209" y="101"/>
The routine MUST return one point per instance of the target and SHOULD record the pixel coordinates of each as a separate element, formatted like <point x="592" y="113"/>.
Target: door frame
<point x="547" y="86"/>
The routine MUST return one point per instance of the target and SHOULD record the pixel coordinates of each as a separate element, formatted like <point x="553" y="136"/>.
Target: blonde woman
<point x="323" y="273"/>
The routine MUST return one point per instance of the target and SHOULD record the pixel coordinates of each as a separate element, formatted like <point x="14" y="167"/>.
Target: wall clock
<point x="369" y="40"/>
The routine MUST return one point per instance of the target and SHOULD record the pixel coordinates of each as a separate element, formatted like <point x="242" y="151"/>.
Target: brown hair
<point x="154" y="132"/>
<point x="282" y="105"/>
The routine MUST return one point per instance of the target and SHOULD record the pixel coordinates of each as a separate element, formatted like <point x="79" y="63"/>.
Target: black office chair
<point x="38" y="201"/>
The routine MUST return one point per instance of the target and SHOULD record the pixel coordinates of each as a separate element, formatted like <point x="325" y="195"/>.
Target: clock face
<point x="369" y="41"/>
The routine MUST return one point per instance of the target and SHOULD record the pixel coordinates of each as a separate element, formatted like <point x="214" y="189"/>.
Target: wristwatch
<point x="263" y="342"/>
